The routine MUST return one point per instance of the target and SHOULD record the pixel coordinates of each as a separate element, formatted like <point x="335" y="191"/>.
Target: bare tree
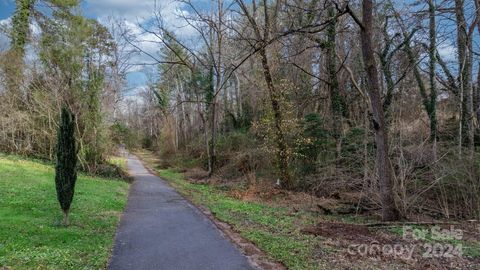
<point x="389" y="209"/>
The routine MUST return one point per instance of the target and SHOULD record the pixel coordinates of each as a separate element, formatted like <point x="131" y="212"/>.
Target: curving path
<point x="161" y="230"/>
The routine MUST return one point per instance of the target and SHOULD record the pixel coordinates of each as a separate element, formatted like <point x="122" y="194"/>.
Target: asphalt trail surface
<point x="161" y="230"/>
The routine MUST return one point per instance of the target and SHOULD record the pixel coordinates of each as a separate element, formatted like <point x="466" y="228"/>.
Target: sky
<point x="139" y="12"/>
<point x="131" y="13"/>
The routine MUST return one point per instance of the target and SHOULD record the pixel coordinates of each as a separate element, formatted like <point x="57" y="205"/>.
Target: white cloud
<point x="447" y="51"/>
<point x="129" y="9"/>
<point x="139" y="10"/>
<point x="138" y="15"/>
<point x="6" y="22"/>
<point x="148" y="43"/>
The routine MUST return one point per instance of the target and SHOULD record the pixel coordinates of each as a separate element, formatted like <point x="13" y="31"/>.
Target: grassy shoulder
<point x="303" y="239"/>
<point x="31" y="236"/>
<point x="118" y="161"/>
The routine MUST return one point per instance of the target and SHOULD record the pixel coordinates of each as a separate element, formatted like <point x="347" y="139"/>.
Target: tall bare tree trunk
<point x="477" y="99"/>
<point x="464" y="46"/>
<point x="238" y="97"/>
<point x="429" y="100"/>
<point x="335" y="98"/>
<point x="432" y="109"/>
<point x="19" y="38"/>
<point x="389" y="210"/>
<point x="213" y="134"/>
<point x="282" y="155"/>
<point x="476" y="107"/>
<point x="274" y="95"/>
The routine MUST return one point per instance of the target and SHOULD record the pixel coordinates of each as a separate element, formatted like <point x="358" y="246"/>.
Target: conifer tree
<point x="66" y="168"/>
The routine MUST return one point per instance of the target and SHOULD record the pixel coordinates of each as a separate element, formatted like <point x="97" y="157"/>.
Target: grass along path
<point x="31" y="236"/>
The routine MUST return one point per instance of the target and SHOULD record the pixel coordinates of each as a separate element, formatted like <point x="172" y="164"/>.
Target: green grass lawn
<point x="31" y="234"/>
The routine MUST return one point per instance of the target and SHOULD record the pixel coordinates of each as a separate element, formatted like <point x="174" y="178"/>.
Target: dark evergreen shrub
<point x="66" y="167"/>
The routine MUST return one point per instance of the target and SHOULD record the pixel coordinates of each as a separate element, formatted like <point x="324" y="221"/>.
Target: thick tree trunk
<point x="282" y="154"/>
<point x="21" y="25"/>
<point x="335" y="98"/>
<point x="389" y="210"/>
<point x="210" y="119"/>
<point x="211" y="145"/>
<point x="19" y="37"/>
<point x="464" y="47"/>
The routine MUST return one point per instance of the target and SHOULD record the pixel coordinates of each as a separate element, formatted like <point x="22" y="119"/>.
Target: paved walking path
<point x="161" y="230"/>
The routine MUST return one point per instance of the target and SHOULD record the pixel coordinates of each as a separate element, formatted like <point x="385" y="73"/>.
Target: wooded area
<point x="325" y="96"/>
<point x="379" y="99"/>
